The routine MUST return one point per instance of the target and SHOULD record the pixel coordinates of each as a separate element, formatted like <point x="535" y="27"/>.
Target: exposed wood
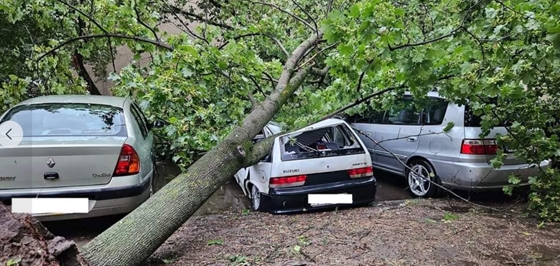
<point x="26" y="241"/>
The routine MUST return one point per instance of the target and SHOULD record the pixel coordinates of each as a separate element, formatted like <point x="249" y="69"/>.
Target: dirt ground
<point x="411" y="232"/>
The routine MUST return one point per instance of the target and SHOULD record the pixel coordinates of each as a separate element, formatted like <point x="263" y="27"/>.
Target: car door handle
<point x="412" y="139"/>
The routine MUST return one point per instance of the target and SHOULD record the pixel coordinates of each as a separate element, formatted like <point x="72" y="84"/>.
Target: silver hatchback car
<point x="79" y="146"/>
<point x="458" y="159"/>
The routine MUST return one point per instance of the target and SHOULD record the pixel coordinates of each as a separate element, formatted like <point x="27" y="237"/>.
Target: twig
<point x="479" y="43"/>
<point x="287" y="12"/>
<point x="114" y="35"/>
<point x="451" y="33"/>
<point x="362" y="75"/>
<point x="85" y="15"/>
<point x="370" y="96"/>
<point x="259" y="34"/>
<point x="144" y="24"/>
<point x="316" y="54"/>
<point x="272" y="81"/>
<point x="176" y="10"/>
<point x="258" y="86"/>
<point x="308" y="15"/>
<point x="110" y="44"/>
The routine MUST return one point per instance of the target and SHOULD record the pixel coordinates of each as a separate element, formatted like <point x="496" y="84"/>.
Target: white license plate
<point x="50" y="206"/>
<point x="328" y="199"/>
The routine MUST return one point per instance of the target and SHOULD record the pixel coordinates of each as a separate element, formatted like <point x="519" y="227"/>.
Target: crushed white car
<point x="322" y="166"/>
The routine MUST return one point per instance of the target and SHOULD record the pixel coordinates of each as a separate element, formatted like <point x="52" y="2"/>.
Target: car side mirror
<point x="258" y="138"/>
<point x="158" y="124"/>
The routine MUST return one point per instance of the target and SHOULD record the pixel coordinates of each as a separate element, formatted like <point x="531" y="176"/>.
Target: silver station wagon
<point x="94" y="147"/>
<point x="459" y="159"/>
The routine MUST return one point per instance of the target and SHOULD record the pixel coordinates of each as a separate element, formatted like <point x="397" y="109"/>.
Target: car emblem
<point x="50" y="163"/>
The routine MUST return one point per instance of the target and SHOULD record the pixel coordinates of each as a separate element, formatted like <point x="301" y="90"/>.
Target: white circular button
<point x="11" y="134"/>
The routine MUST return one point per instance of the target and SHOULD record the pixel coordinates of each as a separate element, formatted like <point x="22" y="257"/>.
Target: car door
<point x="260" y="173"/>
<point x="397" y="135"/>
<point x="367" y="123"/>
<point x="144" y="142"/>
<point x="241" y="177"/>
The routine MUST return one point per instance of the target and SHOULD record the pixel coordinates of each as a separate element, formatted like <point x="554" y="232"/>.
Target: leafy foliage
<point x="502" y="56"/>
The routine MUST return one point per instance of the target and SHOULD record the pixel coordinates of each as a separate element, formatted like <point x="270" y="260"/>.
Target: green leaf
<point x="215" y="242"/>
<point x="222" y="65"/>
<point x="346" y="49"/>
<point x="168" y="261"/>
<point x="448" y="127"/>
<point x="13" y="262"/>
<point x="448" y="217"/>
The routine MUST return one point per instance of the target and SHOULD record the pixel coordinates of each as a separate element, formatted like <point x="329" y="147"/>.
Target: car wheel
<point x="418" y="186"/>
<point x="256" y="200"/>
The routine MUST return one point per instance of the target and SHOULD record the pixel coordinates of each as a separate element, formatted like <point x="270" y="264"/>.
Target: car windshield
<point x="68" y="119"/>
<point x="336" y="140"/>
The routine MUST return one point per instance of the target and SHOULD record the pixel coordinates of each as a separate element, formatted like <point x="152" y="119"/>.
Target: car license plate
<point x="316" y="200"/>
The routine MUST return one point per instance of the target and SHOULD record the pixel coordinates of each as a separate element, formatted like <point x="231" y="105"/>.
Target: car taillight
<point x="288" y="181"/>
<point x="361" y="172"/>
<point x="128" y="163"/>
<point x="479" y="146"/>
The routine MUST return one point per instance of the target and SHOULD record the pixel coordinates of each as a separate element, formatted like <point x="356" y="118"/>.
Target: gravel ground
<point x="414" y="232"/>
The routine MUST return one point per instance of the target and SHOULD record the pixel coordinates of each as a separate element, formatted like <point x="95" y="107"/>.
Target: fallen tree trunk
<point x="25" y="241"/>
<point x="133" y="239"/>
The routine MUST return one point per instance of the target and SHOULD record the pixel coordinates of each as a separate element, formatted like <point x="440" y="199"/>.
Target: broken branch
<point x="113" y="35"/>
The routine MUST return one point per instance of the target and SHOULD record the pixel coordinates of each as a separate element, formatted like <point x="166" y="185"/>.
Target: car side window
<point x="142" y="115"/>
<point x="403" y="112"/>
<point x="139" y="121"/>
<point x="370" y="116"/>
<point x="435" y="112"/>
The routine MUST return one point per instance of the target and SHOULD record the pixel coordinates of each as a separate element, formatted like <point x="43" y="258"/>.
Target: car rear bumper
<point x="481" y="176"/>
<point x="290" y="200"/>
<point x="117" y="197"/>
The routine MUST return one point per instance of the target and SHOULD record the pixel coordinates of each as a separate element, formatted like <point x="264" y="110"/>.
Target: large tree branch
<point x="285" y="87"/>
<point x="113" y="35"/>
<point x="92" y="88"/>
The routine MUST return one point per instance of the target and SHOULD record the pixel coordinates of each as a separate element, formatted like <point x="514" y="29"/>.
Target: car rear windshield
<point x="332" y="141"/>
<point x="472" y="120"/>
<point x="68" y="119"/>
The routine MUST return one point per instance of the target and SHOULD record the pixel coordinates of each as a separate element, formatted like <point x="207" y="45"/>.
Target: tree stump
<point x="25" y="241"/>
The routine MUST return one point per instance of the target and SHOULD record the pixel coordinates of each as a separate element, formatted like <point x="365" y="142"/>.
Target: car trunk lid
<point x="60" y="162"/>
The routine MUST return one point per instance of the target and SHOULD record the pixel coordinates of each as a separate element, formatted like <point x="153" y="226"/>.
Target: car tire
<point x="256" y="199"/>
<point x="419" y="187"/>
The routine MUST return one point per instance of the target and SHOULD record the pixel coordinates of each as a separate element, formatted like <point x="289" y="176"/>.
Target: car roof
<point x="323" y="123"/>
<point x="93" y="99"/>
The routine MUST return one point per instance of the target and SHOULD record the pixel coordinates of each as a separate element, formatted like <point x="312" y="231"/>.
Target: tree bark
<point x="92" y="88"/>
<point x="133" y="239"/>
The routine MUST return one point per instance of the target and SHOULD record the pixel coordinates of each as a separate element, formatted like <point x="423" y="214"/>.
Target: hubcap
<point x="256" y="198"/>
<point x="418" y="180"/>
